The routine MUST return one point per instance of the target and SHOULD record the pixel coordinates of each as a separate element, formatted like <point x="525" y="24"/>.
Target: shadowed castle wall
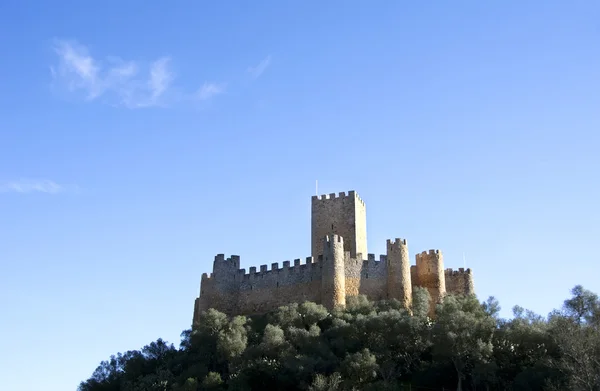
<point x="459" y="281"/>
<point x="366" y="276"/>
<point x="266" y="290"/>
<point x="262" y="290"/>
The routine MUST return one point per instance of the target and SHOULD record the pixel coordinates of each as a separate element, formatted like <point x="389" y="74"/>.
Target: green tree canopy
<point x="372" y="346"/>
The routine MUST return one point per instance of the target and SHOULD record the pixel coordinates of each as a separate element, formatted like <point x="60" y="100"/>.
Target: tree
<point x="372" y="346"/>
<point x="523" y="350"/>
<point x="583" y="307"/>
<point x="212" y="381"/>
<point x="462" y="334"/>
<point x="359" y="368"/>
<point x="420" y="302"/>
<point x="326" y="383"/>
<point x="576" y="331"/>
<point x="232" y="339"/>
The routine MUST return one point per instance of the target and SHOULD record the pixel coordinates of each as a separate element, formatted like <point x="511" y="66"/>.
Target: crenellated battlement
<point x="427" y="254"/>
<point x="264" y="269"/>
<point x="329" y="239"/>
<point x="453" y="272"/>
<point x="373" y="260"/>
<point x="338" y="196"/>
<point x="221" y="258"/>
<point x="397" y="242"/>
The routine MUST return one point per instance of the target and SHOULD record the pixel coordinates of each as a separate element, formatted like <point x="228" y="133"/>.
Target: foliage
<point x="373" y="346"/>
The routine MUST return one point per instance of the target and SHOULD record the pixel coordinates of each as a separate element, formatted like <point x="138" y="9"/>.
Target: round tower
<point x="430" y="269"/>
<point x="399" y="284"/>
<point x="333" y="279"/>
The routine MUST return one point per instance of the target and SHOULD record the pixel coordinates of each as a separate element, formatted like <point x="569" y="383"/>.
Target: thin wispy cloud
<point x="78" y="69"/>
<point x="160" y="77"/>
<point x="258" y="70"/>
<point x="35" y="186"/>
<point x="127" y="83"/>
<point x="208" y="90"/>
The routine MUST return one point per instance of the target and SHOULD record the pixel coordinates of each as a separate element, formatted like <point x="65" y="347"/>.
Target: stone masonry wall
<point x="373" y="278"/>
<point x="262" y="290"/>
<point x="265" y="289"/>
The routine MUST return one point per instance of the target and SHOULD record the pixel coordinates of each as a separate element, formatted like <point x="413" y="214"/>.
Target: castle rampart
<point x="332" y="275"/>
<point x="262" y="290"/>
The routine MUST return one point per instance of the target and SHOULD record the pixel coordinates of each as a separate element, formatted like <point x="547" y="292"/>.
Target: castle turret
<point x="225" y="267"/>
<point x="218" y="289"/>
<point x="333" y="280"/>
<point x="430" y="269"/>
<point x="399" y="284"/>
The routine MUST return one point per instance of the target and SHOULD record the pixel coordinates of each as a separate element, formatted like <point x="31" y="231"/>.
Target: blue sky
<point x="138" y="139"/>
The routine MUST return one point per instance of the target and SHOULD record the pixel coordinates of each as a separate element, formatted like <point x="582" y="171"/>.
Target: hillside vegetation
<point x="373" y="346"/>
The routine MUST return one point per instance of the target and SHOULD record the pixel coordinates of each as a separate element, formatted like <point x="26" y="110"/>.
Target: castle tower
<point x="430" y="271"/>
<point x="399" y="285"/>
<point x="333" y="280"/>
<point x="344" y="215"/>
<point x="224" y="269"/>
<point x="217" y="290"/>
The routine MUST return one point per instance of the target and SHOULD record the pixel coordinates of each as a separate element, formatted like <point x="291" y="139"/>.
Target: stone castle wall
<point x="233" y="291"/>
<point x="260" y="290"/>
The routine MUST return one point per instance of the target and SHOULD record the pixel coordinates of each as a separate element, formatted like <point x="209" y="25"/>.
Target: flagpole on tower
<point x="317" y="187"/>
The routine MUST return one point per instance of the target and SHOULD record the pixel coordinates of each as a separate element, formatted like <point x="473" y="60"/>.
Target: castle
<point x="337" y="269"/>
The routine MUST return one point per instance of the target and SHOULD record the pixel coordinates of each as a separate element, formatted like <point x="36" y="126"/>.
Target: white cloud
<point x="258" y="70"/>
<point x="78" y="69"/>
<point x="120" y="82"/>
<point x="160" y="77"/>
<point x="137" y="93"/>
<point x="34" y="186"/>
<point x="208" y="90"/>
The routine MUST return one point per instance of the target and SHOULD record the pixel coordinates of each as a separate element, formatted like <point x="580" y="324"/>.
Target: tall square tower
<point x="343" y="215"/>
